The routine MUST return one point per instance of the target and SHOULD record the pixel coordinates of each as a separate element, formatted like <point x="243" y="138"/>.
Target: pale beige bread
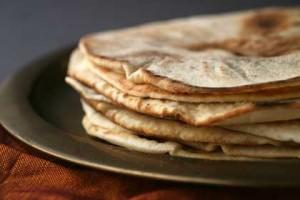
<point x="143" y="76"/>
<point x="191" y="113"/>
<point x="129" y="141"/>
<point x="98" y="126"/>
<point x="284" y="131"/>
<point x="112" y="133"/>
<point x="117" y="135"/>
<point x="287" y="131"/>
<point x="247" y="152"/>
<point x="262" y="151"/>
<point x="194" y="114"/>
<point x="210" y="87"/>
<point x="163" y="128"/>
<point x="163" y="50"/>
<point x="134" y="142"/>
<point x="212" y="156"/>
<point x="261" y="114"/>
<point x="120" y="82"/>
<point x="186" y="75"/>
<point x="87" y="92"/>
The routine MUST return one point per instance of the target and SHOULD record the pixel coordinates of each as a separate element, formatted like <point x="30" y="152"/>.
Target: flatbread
<point x="286" y="131"/>
<point x="163" y="128"/>
<point x="263" y="114"/>
<point x="162" y="51"/>
<point x="193" y="73"/>
<point x="134" y="142"/>
<point x="108" y="130"/>
<point x="262" y="152"/>
<point x="191" y="113"/>
<point x="221" y="70"/>
<point x="98" y="126"/>
<point x="120" y="82"/>
<point x="194" y="114"/>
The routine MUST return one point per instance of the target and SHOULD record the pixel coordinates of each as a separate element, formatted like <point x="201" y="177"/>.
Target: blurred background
<point x="31" y="28"/>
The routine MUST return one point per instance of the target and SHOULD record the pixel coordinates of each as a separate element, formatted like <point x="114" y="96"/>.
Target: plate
<point x="38" y="108"/>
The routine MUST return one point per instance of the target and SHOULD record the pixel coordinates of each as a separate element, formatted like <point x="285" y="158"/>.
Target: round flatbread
<point x="176" y="55"/>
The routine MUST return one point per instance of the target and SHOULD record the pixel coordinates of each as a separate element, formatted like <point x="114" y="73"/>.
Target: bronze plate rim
<point x="21" y="120"/>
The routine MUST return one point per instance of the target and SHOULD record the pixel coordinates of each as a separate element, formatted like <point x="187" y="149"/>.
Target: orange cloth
<point x="28" y="174"/>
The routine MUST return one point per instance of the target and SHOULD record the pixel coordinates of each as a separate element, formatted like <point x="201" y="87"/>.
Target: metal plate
<point x="38" y="108"/>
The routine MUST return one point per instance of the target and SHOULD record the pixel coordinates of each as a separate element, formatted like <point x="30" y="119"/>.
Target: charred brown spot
<point x="265" y="26"/>
<point x="266" y="22"/>
<point x="262" y="46"/>
<point x="265" y="46"/>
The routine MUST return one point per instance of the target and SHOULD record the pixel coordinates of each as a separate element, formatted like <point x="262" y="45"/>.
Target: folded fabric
<point x="28" y="174"/>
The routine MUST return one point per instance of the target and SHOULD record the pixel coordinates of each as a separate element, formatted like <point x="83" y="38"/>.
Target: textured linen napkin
<point x="28" y="174"/>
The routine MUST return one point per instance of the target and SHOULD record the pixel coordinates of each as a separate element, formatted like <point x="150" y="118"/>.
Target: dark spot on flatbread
<point x="266" y="22"/>
<point x="265" y="26"/>
<point x="261" y="46"/>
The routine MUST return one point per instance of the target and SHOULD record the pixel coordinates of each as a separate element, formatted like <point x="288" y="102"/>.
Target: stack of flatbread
<point x="213" y="87"/>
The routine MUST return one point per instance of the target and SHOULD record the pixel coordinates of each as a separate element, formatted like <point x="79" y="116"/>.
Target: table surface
<point x="32" y="28"/>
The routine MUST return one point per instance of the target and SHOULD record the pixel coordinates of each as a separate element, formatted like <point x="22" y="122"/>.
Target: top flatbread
<point x="191" y="113"/>
<point x="172" y="55"/>
<point x="120" y="82"/>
